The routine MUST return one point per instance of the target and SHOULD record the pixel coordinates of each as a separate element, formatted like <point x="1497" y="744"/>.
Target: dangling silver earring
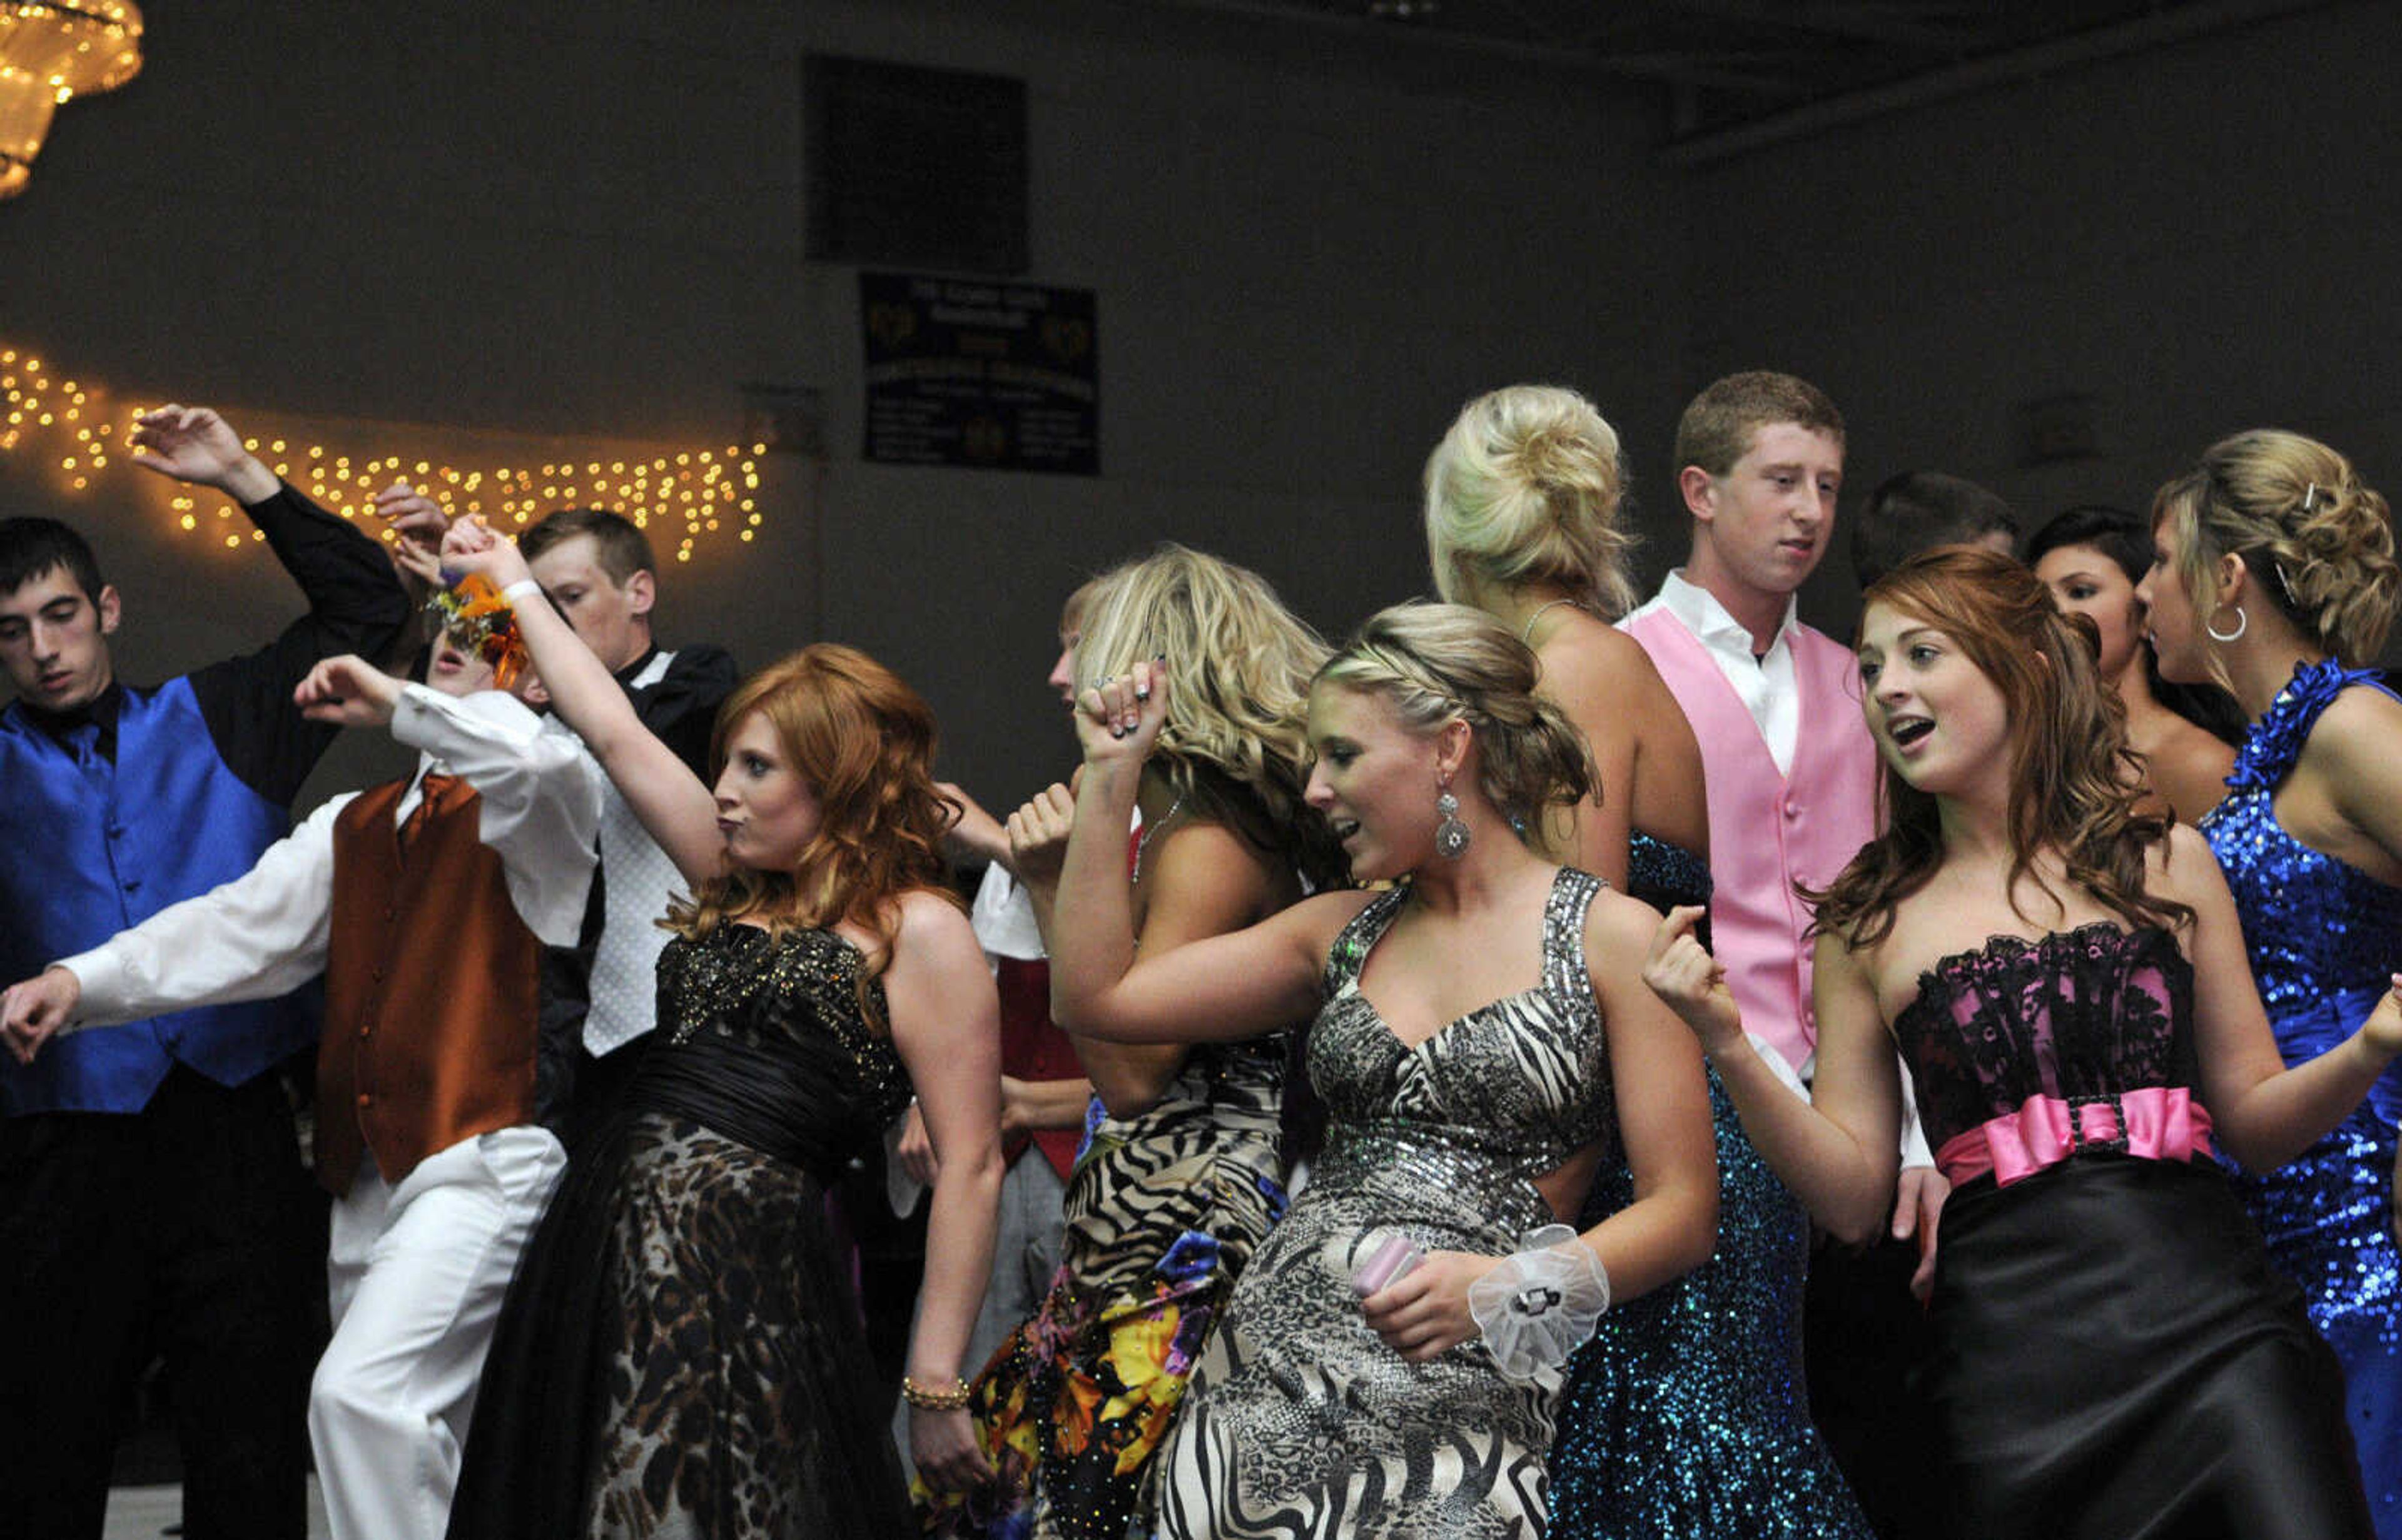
<point x="1450" y="834"/>
<point x="2242" y="620"/>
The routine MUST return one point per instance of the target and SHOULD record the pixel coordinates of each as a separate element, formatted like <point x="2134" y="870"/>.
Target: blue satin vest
<point x="92" y="848"/>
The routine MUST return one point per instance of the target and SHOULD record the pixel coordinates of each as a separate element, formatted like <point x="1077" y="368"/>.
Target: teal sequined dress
<point x="1687" y="1415"/>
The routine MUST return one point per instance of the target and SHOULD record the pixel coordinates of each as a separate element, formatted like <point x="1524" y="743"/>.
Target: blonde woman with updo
<point x="1180" y="1174"/>
<point x="1688" y="1416"/>
<point x="1390" y="1363"/>
<point x="1522" y="522"/>
<point x="2276" y="577"/>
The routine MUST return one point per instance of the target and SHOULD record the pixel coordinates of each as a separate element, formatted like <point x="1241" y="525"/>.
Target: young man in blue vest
<point x="152" y="1198"/>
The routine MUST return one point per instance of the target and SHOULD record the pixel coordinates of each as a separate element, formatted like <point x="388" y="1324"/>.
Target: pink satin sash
<point x="2156" y="1123"/>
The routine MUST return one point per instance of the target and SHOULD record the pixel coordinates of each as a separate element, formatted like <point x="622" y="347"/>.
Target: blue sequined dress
<point x="1687" y="1415"/>
<point x="2325" y="938"/>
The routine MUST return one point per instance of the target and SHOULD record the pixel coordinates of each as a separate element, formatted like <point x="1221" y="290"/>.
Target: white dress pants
<point x="415" y="1276"/>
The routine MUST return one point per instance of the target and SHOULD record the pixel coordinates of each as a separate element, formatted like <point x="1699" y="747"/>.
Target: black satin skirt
<point x="2115" y="1358"/>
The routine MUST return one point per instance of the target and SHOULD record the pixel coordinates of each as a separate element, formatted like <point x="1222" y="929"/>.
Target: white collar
<point x="1701" y="614"/>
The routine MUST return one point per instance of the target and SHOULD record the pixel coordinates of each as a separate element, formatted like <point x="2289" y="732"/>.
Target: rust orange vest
<point x="431" y="988"/>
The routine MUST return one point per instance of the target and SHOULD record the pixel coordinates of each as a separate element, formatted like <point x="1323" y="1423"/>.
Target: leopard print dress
<point x="680" y="1354"/>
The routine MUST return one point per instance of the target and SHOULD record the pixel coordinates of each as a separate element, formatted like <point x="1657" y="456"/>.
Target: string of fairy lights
<point x="691" y="495"/>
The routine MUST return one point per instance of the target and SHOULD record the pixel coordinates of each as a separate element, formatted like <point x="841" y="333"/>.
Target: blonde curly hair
<point x="1235" y="747"/>
<point x="2317" y="539"/>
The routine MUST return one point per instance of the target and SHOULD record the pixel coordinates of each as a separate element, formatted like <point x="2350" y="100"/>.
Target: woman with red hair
<point x="680" y="1354"/>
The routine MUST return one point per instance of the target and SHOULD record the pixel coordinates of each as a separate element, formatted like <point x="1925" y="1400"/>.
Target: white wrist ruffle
<point x="1541" y="1304"/>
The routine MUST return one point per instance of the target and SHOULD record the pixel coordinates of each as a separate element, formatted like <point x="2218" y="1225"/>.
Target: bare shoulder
<point x="1588" y="648"/>
<point x="1203" y="852"/>
<point x="1618" y="928"/>
<point x="2183" y="867"/>
<point x="2190" y="766"/>
<point x="2188" y="744"/>
<point x="1606" y="681"/>
<point x="2359" y="734"/>
<point x="932" y="930"/>
<point x="1591" y="660"/>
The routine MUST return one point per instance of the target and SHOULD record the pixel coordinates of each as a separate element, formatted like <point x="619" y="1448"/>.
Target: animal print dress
<point x="680" y="1355"/>
<point x="1301" y="1423"/>
<point x="1163" y="1211"/>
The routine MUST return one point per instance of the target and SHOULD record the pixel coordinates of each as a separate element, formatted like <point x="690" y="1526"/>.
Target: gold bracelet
<point x="924" y="1399"/>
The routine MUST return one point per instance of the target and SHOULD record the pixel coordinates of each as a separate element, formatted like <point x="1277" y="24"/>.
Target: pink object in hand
<point x="1394" y="1257"/>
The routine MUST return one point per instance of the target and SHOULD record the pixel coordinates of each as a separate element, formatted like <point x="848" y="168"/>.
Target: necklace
<point x="1143" y="840"/>
<point x="1527" y="634"/>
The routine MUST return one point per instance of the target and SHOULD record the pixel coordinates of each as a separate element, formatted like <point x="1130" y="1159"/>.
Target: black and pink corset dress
<point x="2114" y="1356"/>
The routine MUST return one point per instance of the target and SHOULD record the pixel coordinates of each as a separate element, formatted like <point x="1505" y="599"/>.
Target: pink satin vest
<point x="1769" y="831"/>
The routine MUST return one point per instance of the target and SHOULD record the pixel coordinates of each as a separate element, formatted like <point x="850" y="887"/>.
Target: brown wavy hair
<point x="865" y="743"/>
<point x="2074" y="783"/>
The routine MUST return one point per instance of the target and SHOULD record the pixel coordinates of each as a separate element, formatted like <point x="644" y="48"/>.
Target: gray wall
<point x="2194" y="236"/>
<point x="1309" y="248"/>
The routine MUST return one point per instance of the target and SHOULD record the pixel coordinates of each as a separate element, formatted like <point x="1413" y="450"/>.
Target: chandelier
<point x="51" y="50"/>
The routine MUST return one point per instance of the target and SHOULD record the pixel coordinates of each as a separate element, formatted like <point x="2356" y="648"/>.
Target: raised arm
<point x="2261" y="1112"/>
<point x="1229" y="987"/>
<point x="1837" y="1151"/>
<point x="355" y="602"/>
<point x="678" y="812"/>
<point x="946" y="1025"/>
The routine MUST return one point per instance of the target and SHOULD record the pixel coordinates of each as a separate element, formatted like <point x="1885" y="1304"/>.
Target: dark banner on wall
<point x="997" y="375"/>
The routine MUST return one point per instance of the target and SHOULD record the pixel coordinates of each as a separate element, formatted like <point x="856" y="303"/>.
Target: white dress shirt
<point x="637" y="881"/>
<point x="265" y="933"/>
<point x="1764" y="682"/>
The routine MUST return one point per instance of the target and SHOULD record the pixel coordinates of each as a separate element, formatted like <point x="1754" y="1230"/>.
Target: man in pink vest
<point x="1791" y="776"/>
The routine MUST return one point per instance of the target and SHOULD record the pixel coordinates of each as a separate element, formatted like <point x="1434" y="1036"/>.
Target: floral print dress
<point x="1163" y="1211"/>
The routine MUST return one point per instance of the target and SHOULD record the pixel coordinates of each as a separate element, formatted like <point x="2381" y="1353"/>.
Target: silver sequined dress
<point x="1301" y="1422"/>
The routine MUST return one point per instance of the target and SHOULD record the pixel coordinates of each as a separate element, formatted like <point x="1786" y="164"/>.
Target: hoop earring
<point x="2242" y="622"/>
<point x="1450" y="833"/>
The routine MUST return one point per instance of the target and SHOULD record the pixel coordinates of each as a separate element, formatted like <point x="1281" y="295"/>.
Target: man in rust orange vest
<point x="425" y="902"/>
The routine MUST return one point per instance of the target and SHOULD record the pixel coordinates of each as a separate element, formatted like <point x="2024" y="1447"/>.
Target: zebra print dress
<point x="1162" y="1212"/>
<point x="1301" y="1422"/>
